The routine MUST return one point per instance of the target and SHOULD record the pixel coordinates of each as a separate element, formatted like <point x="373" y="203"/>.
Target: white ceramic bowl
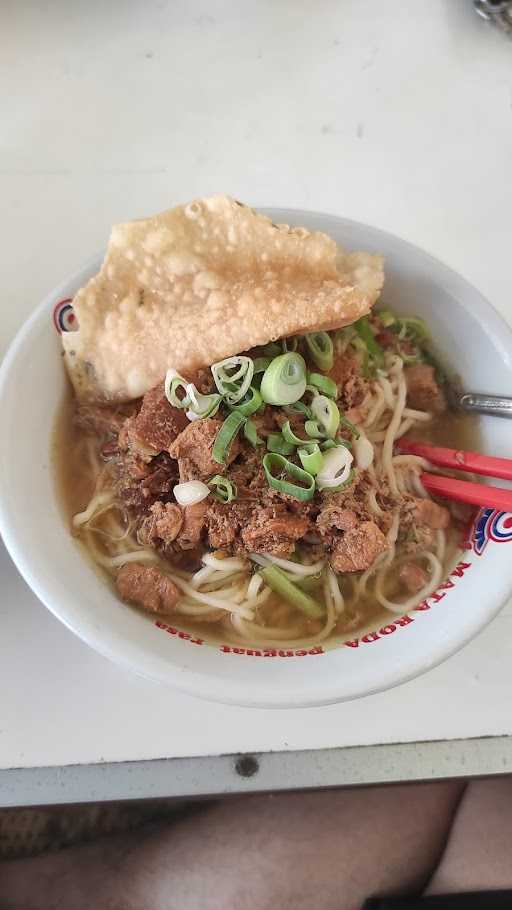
<point x="470" y="336"/>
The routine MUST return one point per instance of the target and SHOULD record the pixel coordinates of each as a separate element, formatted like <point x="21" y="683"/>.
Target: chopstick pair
<point x="476" y="494"/>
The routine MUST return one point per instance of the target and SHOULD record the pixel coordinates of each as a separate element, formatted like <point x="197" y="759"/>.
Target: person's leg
<point x="328" y="849"/>
<point x="478" y="856"/>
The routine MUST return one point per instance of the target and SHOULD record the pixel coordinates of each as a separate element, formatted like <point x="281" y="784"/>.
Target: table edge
<point x="206" y="776"/>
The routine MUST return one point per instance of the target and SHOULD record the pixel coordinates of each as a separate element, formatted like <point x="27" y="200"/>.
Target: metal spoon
<point x="498" y="12"/>
<point x="474" y="403"/>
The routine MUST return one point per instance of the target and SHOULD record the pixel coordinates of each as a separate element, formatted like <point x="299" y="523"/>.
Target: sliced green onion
<point x="284" y="381"/>
<point x="415" y="328"/>
<point x="345" y="422"/>
<point x="364" y="330"/>
<point x="335" y="469"/>
<point x="272" y="350"/>
<point x="173" y="381"/>
<point x="332" y="443"/>
<point x="251" y="433"/>
<point x="291" y="437"/>
<point x="327" y="415"/>
<point x="202" y="405"/>
<point x="312" y="429"/>
<point x="233" y="376"/>
<point x="387" y="317"/>
<point x="261" y="364"/>
<point x="249" y="404"/>
<point x="342" y="486"/>
<point x="290" y="344"/>
<point x="273" y="463"/>
<point x="410" y="359"/>
<point x="321" y="349"/>
<point x="299" y="407"/>
<point x="277" y="443"/>
<point x="225" y="437"/>
<point x="367" y="368"/>
<point x="311" y="458"/>
<point x="277" y="580"/>
<point x="345" y="335"/>
<point x="223" y="488"/>
<point x="324" y="383"/>
<point x="359" y="345"/>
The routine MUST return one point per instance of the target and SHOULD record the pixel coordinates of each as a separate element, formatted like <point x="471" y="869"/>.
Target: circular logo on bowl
<point x="491" y="524"/>
<point x="64" y="318"/>
<point x="501" y="527"/>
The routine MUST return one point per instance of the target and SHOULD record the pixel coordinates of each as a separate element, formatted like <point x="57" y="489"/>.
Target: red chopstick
<point x="477" y="494"/>
<point x="486" y="465"/>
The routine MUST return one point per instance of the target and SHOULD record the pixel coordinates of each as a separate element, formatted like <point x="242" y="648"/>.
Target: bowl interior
<point x="471" y="338"/>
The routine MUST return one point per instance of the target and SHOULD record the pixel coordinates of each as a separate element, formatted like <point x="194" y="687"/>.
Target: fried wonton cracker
<point x="201" y="282"/>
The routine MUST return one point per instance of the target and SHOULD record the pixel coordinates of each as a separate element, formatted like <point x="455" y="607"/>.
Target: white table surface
<point x="396" y="114"/>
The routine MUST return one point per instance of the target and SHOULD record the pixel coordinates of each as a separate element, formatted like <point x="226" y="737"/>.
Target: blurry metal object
<point x="499" y="12"/>
<point x="496" y="405"/>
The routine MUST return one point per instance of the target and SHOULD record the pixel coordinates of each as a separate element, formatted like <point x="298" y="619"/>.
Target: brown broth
<point x="74" y="484"/>
<point x="452" y="429"/>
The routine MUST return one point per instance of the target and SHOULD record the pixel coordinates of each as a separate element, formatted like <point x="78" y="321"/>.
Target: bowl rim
<point x="204" y="684"/>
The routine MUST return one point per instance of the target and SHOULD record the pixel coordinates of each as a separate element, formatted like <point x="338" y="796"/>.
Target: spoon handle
<point x="497" y="405"/>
